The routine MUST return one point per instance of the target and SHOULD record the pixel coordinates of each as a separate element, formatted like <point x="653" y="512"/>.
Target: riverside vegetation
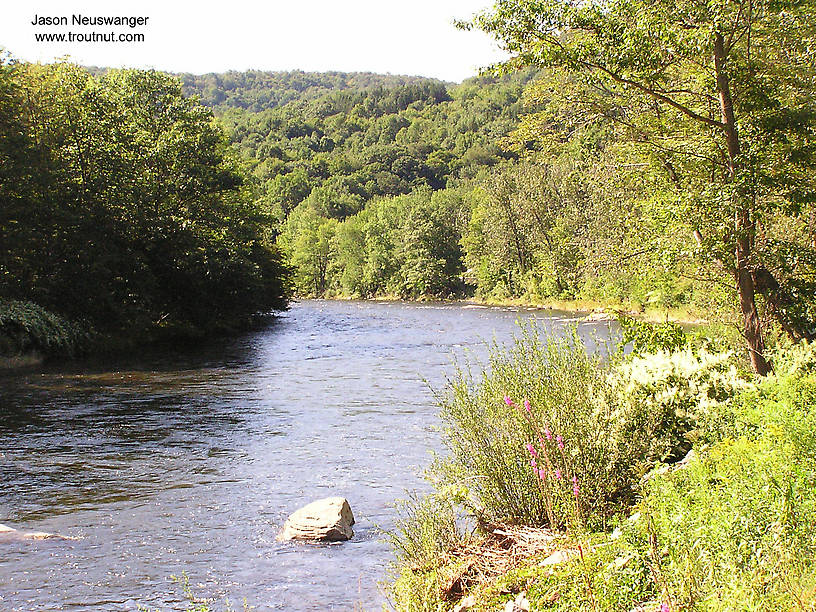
<point x="551" y="436"/>
<point x="124" y="214"/>
<point x="686" y="129"/>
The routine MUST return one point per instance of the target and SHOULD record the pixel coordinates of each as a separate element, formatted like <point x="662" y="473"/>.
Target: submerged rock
<point x="326" y="520"/>
<point x="8" y="533"/>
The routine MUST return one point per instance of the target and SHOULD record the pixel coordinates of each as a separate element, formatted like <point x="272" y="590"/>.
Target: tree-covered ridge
<point x="652" y="153"/>
<point x="256" y="90"/>
<point x="345" y="148"/>
<point x="123" y="205"/>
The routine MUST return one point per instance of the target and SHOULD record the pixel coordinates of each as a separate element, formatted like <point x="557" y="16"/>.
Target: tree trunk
<point x="743" y="223"/>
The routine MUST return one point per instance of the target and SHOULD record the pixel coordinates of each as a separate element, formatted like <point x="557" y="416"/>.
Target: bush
<point x="487" y="438"/>
<point x="736" y="527"/>
<point x="604" y="423"/>
<point x="665" y="401"/>
<point x="26" y="327"/>
<point x="651" y="337"/>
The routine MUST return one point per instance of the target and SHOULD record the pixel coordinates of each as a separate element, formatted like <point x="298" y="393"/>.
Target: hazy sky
<point x="415" y="38"/>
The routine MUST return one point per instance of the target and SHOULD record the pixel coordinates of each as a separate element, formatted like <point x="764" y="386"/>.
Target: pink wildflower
<point x="527" y="405"/>
<point x="664" y="607"/>
<point x="531" y="449"/>
<point x="508" y="401"/>
<point x="558" y="473"/>
<point x="575" y="486"/>
<point x="542" y="473"/>
<point x="560" y="441"/>
<point x="533" y="463"/>
<point x="547" y="433"/>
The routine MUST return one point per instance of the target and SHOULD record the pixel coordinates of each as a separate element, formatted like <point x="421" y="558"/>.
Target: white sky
<point x="414" y="38"/>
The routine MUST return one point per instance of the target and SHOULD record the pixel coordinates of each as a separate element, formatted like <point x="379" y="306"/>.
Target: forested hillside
<point x="561" y="179"/>
<point x="419" y="189"/>
<point x="256" y="90"/>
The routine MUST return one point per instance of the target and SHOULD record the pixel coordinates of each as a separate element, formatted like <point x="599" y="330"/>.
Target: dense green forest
<point x="612" y="170"/>
<point x="124" y="212"/>
<point x="256" y="90"/>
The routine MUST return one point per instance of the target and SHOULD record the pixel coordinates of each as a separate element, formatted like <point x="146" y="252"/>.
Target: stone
<point x="325" y="520"/>
<point x="519" y="604"/>
<point x="8" y="533"/>
<point x="559" y="557"/>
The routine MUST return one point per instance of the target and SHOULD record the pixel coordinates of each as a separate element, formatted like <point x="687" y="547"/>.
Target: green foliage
<point x="665" y="401"/>
<point x="564" y="228"/>
<point x="426" y="532"/>
<point x="350" y="146"/>
<point x="422" y="540"/>
<point x="404" y="246"/>
<point x="616" y="420"/>
<point x="651" y="337"/>
<point x="26" y="327"/>
<point x="714" y="98"/>
<point x="256" y="90"/>
<point x="730" y="530"/>
<point x="733" y="530"/>
<point x="609" y="578"/>
<point x="487" y="437"/>
<point x="123" y="206"/>
<point x="737" y="527"/>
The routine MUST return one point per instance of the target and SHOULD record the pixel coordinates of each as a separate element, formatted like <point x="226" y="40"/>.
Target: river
<point x="189" y="460"/>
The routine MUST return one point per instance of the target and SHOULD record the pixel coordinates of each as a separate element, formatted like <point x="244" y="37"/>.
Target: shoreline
<point x="602" y="310"/>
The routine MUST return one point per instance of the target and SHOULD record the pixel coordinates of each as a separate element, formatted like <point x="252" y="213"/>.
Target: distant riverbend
<point x="190" y="460"/>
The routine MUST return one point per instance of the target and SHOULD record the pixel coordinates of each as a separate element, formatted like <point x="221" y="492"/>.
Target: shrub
<point x="426" y="530"/>
<point x="651" y="337"/>
<point x="736" y="526"/>
<point x="423" y="538"/>
<point x="603" y="422"/>
<point x="25" y="326"/>
<point x="664" y="401"/>
<point x="487" y="438"/>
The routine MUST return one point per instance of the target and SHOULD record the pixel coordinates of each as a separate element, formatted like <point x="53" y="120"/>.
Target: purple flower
<point x="527" y="405"/>
<point x="508" y="401"/>
<point x="547" y="433"/>
<point x="664" y="607"/>
<point x="531" y="449"/>
<point x="533" y="463"/>
<point x="560" y="441"/>
<point x="542" y="473"/>
<point x="575" y="486"/>
<point x="558" y="473"/>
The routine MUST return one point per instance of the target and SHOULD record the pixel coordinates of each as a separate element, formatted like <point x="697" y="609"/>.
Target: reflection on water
<point x="189" y="460"/>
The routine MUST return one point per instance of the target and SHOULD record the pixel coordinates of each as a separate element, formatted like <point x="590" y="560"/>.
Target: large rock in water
<point x="326" y="520"/>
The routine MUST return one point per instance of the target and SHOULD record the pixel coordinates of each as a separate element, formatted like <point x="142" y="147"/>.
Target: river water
<point x="189" y="460"/>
